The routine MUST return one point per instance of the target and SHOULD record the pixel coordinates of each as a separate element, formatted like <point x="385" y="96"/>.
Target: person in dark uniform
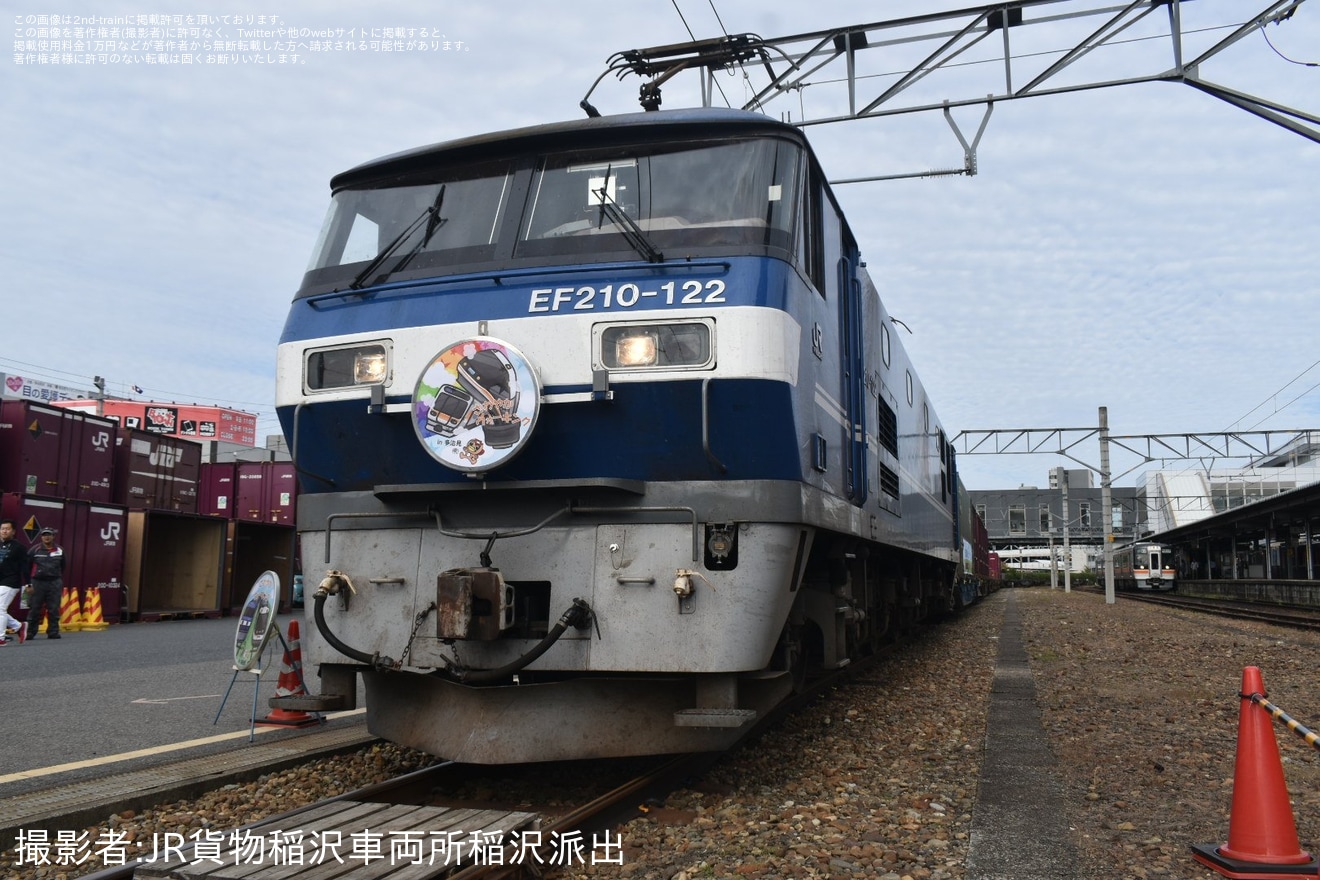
<point x="14" y="567"/>
<point x="47" y="582"/>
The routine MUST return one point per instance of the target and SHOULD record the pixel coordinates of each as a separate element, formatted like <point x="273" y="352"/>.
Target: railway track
<point x="438" y="822"/>
<point x="1298" y="618"/>
<point x="453" y="821"/>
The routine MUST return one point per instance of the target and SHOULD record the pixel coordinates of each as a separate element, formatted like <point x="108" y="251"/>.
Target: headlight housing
<point x="678" y="345"/>
<point x="348" y="366"/>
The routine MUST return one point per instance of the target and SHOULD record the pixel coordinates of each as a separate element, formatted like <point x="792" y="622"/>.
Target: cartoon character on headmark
<point x="486" y="394"/>
<point x="472" y="450"/>
<point x="488" y="376"/>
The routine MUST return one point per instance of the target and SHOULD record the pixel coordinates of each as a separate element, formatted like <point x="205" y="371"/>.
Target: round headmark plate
<point x="476" y="404"/>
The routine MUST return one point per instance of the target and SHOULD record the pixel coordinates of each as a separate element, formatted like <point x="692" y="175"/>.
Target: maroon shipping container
<point x="87" y="456"/>
<point x="59" y="453"/>
<point x="267" y="492"/>
<point x="95" y="537"/>
<point x="217" y="490"/>
<point x="283" y="493"/>
<point x="31" y="436"/>
<point x="250" y="491"/>
<point x="30" y="516"/>
<point x="156" y="472"/>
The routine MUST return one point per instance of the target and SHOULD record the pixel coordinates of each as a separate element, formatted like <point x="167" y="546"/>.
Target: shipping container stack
<point x="175" y="558"/>
<point x="142" y="518"/>
<point x="259" y="499"/>
<point x="57" y="471"/>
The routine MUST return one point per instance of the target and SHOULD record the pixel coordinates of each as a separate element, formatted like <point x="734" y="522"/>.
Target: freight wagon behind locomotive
<point x="604" y="440"/>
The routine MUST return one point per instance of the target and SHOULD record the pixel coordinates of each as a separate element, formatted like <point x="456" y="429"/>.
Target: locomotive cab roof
<point x="598" y="131"/>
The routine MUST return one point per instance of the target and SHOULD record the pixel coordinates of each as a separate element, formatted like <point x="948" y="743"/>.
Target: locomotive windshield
<point x="461" y="211"/>
<point x="657" y="201"/>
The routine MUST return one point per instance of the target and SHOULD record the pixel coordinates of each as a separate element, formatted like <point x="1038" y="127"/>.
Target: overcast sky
<point x="1146" y="247"/>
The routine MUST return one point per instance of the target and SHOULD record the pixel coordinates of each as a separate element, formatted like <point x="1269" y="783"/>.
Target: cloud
<point x="1147" y="248"/>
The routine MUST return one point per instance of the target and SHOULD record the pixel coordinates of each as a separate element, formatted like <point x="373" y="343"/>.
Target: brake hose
<point x="577" y="616"/>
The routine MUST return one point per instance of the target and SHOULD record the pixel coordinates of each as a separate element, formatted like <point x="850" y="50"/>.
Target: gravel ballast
<point x="879" y="778"/>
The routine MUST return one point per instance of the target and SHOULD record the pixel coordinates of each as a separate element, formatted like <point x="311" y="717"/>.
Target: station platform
<point x="127" y="717"/>
<point x="85" y="802"/>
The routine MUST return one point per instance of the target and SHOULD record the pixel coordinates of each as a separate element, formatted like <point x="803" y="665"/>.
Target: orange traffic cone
<point x="92" y="618"/>
<point x="290" y="684"/>
<point x="1262" y="836"/>
<point x="70" y="611"/>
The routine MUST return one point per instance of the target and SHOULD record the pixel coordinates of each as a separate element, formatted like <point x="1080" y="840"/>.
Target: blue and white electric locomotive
<point x="603" y="439"/>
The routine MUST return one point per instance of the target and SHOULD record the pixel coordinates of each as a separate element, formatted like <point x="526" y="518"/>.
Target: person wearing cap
<point x="47" y="582"/>
<point x="13" y="572"/>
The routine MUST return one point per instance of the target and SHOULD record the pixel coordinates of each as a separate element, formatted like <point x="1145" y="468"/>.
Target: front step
<point x="713" y="717"/>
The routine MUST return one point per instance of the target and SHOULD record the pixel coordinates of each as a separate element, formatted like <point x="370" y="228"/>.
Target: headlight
<point x="635" y="348"/>
<point x="353" y="365"/>
<point x="370" y="368"/>
<point x="656" y="346"/>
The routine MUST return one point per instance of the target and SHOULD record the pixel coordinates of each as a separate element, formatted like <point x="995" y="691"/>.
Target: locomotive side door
<point x="832" y="262"/>
<point x="853" y="374"/>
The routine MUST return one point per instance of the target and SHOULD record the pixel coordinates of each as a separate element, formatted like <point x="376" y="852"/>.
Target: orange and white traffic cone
<point x="92" y="617"/>
<point x="70" y="611"/>
<point x="1262" y="836"/>
<point x="290" y="684"/>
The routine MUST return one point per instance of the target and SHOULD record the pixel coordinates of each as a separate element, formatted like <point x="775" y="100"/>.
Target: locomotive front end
<point x="509" y="432"/>
<point x="602" y="440"/>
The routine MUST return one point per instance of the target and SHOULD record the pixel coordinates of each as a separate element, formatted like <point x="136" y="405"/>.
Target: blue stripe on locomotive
<point x="650" y="431"/>
<point x="749" y="281"/>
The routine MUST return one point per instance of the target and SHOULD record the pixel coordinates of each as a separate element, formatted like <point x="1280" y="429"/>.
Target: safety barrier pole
<point x="1310" y="736"/>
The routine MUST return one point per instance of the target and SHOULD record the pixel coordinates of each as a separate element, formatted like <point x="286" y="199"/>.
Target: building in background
<point x="15" y="387"/>
<point x="187" y="421"/>
<point x="1025" y="525"/>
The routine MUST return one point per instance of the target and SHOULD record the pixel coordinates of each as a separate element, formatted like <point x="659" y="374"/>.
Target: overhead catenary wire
<point x="692" y="36"/>
<point x="1275" y="49"/>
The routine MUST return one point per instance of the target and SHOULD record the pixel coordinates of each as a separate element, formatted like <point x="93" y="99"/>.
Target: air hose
<point x="318" y="610"/>
<point x="577" y="616"/>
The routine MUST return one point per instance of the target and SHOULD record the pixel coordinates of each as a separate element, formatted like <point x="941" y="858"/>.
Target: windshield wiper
<point x="631" y="231"/>
<point x="431" y="216"/>
<point x="434" y="222"/>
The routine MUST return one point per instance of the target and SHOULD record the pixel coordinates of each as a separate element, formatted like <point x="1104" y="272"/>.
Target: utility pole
<point x="1054" y="564"/>
<point x="99" y="382"/>
<point x="1106" y="502"/>
<point x="1067" y="538"/>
